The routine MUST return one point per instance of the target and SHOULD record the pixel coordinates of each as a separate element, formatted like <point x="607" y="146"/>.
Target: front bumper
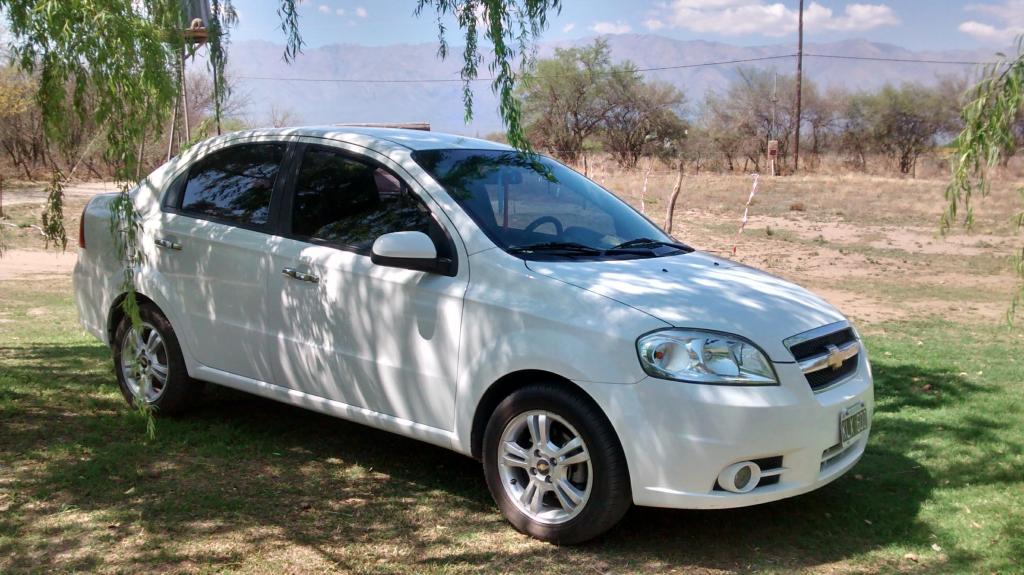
<point x="677" y="437"/>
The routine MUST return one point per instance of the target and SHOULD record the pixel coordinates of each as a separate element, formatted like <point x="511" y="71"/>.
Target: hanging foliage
<point x="987" y="137"/>
<point x="53" y="212"/>
<point x="122" y="54"/>
<point x="511" y="27"/>
<point x="223" y="17"/>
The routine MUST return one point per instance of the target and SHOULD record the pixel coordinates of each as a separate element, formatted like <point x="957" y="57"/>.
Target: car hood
<point x="698" y="290"/>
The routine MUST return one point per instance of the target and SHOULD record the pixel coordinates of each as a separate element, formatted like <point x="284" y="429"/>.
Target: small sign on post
<point x="773" y="154"/>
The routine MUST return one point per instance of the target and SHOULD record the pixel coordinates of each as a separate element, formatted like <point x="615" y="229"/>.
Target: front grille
<point x="826" y="377"/>
<point x="817" y="351"/>
<point x="817" y="346"/>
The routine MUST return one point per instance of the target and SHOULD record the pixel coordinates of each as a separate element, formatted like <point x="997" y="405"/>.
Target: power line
<point x="488" y="79"/>
<point x="719" y="63"/>
<point x="911" y="60"/>
<point x="358" y="81"/>
<point x="639" y="70"/>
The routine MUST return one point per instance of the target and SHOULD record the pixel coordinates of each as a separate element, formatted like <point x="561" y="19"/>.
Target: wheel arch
<point x="116" y="312"/>
<point x="506" y="386"/>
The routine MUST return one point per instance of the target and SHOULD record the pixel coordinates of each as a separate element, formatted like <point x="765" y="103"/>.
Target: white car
<point x="501" y="305"/>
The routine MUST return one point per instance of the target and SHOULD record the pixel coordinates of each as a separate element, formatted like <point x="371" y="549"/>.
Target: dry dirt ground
<point x="27" y="256"/>
<point x="870" y="245"/>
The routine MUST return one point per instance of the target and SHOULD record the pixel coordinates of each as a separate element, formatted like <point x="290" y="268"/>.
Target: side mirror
<point x="409" y="250"/>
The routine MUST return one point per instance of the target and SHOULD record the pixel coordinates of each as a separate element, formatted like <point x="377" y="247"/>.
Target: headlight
<point x="704" y="357"/>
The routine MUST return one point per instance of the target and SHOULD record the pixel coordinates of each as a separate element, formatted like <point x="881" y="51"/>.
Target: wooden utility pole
<point x="799" y="85"/>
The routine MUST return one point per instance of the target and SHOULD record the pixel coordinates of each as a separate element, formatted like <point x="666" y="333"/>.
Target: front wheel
<point x="554" y="465"/>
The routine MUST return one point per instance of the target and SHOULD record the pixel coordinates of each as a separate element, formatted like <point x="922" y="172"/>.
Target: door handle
<point x="167" y="244"/>
<point x="301" y="276"/>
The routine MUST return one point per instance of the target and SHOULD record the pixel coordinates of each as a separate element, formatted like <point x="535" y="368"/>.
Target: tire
<point x="176" y="392"/>
<point x="595" y="470"/>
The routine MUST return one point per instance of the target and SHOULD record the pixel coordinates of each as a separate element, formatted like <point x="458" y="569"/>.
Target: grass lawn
<point x="248" y="485"/>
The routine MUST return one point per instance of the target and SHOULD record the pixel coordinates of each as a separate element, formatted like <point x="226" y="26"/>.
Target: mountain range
<point x="308" y="90"/>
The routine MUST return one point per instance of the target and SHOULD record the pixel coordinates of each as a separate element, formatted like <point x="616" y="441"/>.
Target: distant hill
<point x="441" y="103"/>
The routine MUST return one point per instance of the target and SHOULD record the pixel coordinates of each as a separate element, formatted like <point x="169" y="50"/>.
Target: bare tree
<point x="281" y="117"/>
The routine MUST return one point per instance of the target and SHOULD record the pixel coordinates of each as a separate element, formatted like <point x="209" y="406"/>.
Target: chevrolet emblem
<point x="835" y="361"/>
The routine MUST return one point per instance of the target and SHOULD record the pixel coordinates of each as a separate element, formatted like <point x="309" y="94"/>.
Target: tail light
<point x="81" y="229"/>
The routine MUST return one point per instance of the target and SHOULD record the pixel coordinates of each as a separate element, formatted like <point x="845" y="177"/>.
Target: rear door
<point x="213" y="249"/>
<point x="379" y="338"/>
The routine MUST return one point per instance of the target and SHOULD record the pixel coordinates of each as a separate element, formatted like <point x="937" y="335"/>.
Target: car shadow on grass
<point x="242" y="478"/>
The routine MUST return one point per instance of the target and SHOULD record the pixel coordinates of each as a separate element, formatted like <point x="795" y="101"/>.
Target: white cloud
<point x="653" y="24"/>
<point x="361" y="12"/>
<point x="340" y="11"/>
<point x="568" y="27"/>
<point x="855" y="18"/>
<point x="1010" y="18"/>
<point x="324" y="8"/>
<point x="758" y="17"/>
<point x="611" y="27"/>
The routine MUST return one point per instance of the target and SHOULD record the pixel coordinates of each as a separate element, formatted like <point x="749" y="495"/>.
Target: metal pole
<point x="184" y="99"/>
<point x="799" y="86"/>
<point x="174" y="125"/>
<point x="775" y="101"/>
<point x="216" y="98"/>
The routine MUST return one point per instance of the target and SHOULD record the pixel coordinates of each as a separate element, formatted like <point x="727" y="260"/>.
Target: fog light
<point x="740" y="477"/>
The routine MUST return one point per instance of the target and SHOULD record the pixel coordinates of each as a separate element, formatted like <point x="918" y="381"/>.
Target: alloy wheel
<point x="545" y="467"/>
<point x="144" y="362"/>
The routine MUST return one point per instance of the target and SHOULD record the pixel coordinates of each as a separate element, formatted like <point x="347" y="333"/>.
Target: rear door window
<point x="349" y="203"/>
<point x="234" y="185"/>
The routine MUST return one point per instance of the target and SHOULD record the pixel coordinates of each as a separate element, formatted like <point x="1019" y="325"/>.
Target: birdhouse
<point x="196" y="15"/>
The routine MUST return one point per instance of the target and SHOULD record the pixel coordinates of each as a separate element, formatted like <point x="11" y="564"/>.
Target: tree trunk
<point x="672" y="200"/>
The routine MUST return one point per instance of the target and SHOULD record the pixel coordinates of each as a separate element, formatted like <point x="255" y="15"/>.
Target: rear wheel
<point x="149" y="364"/>
<point x="554" y="465"/>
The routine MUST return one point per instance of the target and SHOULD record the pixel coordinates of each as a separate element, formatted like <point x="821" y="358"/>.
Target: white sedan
<point x="498" y="304"/>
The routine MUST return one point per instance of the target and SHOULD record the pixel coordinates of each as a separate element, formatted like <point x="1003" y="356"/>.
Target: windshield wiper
<point x="649" y="243"/>
<point x="568" y="247"/>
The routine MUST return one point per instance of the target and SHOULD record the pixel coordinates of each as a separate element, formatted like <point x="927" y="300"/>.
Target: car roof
<point x="376" y="137"/>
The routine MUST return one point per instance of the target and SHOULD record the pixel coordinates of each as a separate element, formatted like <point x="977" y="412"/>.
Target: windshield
<point x="534" y="206"/>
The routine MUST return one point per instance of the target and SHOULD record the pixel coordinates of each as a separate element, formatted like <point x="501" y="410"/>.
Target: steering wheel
<point x="545" y="220"/>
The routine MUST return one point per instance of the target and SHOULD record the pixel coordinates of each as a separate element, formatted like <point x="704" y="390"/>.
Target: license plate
<point x="852" y="422"/>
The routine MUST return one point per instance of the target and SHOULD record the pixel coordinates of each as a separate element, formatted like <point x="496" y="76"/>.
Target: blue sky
<point x="915" y="24"/>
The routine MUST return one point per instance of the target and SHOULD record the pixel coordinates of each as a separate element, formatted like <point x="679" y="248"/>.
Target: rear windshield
<point x="523" y="200"/>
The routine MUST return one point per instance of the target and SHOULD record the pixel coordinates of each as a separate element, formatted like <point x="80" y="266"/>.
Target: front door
<point x="379" y="338"/>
